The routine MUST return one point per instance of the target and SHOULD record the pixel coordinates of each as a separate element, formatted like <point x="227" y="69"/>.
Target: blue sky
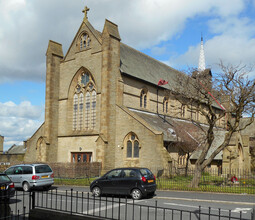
<point x="168" y="30"/>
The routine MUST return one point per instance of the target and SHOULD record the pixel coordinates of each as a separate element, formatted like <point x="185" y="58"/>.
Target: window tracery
<point x="132" y="146"/>
<point x="84" y="41"/>
<point x="84" y="103"/>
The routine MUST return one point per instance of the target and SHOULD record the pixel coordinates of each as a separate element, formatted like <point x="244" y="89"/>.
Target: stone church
<point x="103" y="104"/>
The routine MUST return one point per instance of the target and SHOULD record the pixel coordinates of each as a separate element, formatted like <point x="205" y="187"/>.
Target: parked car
<point x="29" y="176"/>
<point x="137" y="182"/>
<point x="7" y="189"/>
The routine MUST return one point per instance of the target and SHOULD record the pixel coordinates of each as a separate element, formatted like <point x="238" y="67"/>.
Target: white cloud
<point x="19" y="122"/>
<point x="26" y="26"/>
<point x="234" y="43"/>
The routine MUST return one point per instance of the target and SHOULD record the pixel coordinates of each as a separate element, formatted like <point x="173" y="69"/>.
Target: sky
<point x="168" y="30"/>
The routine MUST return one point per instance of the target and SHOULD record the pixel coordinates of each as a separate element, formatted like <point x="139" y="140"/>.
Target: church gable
<point x="87" y="38"/>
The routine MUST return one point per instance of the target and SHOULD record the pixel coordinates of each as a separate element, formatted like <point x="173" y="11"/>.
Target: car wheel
<point x="136" y="194"/>
<point x="26" y="187"/>
<point x="96" y="191"/>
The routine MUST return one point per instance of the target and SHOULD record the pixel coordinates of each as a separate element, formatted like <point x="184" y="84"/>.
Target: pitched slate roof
<point x="141" y="66"/>
<point x="179" y="130"/>
<point x="16" y="149"/>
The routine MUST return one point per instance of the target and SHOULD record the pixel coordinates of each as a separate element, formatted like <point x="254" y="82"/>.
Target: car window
<point x="4" y="179"/>
<point x="9" y="171"/>
<point x="27" y="170"/>
<point x="129" y="174"/>
<point x="42" y="169"/>
<point x="146" y="173"/>
<point x="114" y="174"/>
<point x="18" y="170"/>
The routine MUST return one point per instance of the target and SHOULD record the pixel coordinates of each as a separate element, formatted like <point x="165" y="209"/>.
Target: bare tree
<point x="227" y="99"/>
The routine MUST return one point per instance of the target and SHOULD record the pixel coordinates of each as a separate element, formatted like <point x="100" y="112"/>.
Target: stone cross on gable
<point x="85" y="11"/>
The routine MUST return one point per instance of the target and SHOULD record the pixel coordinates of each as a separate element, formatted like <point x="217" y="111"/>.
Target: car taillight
<point x="34" y="177"/>
<point x="52" y="175"/>
<point x="11" y="185"/>
<point x="143" y="179"/>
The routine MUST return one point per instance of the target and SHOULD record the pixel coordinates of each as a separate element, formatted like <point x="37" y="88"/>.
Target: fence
<point x="169" y="178"/>
<point x="82" y="204"/>
<point x="228" y="181"/>
<point x="18" y="206"/>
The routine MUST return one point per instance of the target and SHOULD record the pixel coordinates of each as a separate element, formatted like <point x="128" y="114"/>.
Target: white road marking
<point x="243" y="210"/>
<point x="205" y="200"/>
<point x="91" y="211"/>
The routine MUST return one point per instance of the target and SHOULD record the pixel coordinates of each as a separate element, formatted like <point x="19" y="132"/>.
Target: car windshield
<point x="4" y="179"/>
<point x="43" y="169"/>
<point x="146" y="173"/>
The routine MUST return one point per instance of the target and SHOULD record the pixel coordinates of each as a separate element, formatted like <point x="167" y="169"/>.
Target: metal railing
<point x="80" y="203"/>
<point x="17" y="207"/>
<point x="83" y="204"/>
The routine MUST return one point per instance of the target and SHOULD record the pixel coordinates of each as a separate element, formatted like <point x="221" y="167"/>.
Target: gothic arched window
<point x="143" y="99"/>
<point x="132" y="146"/>
<point x="165" y="105"/>
<point x="84" y="103"/>
<point x="84" y="41"/>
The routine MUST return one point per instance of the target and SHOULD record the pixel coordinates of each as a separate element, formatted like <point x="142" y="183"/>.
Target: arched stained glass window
<point x="84" y="103"/>
<point x="133" y="146"/>
<point x="84" y="41"/>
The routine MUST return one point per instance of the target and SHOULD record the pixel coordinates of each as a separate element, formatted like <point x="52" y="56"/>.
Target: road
<point x="238" y="205"/>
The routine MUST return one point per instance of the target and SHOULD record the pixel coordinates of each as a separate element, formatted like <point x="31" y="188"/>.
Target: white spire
<point x="201" y="64"/>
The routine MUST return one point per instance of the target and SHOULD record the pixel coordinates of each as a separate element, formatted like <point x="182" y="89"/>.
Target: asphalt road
<point x="180" y="200"/>
<point x="239" y="205"/>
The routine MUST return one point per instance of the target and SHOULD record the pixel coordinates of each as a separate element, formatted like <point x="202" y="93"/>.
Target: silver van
<point x="29" y="176"/>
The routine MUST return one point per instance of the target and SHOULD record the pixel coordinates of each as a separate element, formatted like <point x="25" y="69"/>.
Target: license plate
<point x="150" y="181"/>
<point x="45" y="176"/>
<point x="2" y="187"/>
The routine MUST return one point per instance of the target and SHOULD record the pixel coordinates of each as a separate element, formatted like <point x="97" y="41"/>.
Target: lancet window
<point x="143" y="99"/>
<point x="165" y="105"/>
<point x="84" y="103"/>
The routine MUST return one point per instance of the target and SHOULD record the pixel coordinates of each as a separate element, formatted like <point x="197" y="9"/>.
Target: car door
<point x="128" y="181"/>
<point x="17" y="176"/>
<point x="109" y="183"/>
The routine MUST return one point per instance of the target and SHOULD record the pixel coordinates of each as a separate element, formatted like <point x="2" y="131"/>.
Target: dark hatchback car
<point x="137" y="182"/>
<point x="7" y="189"/>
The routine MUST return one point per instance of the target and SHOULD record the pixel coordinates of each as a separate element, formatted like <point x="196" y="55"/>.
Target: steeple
<point x="201" y="64"/>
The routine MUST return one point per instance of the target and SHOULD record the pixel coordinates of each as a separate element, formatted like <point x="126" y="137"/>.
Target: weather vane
<point x="85" y="11"/>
